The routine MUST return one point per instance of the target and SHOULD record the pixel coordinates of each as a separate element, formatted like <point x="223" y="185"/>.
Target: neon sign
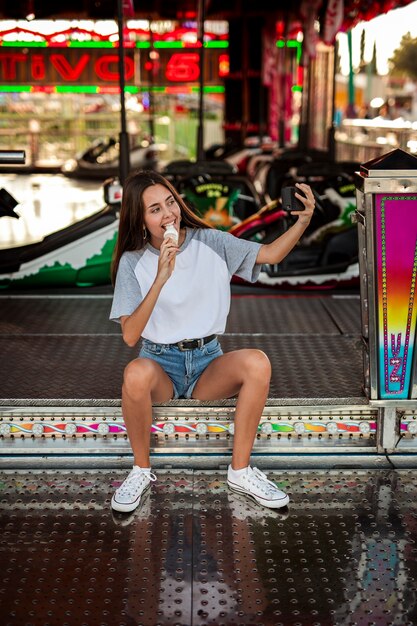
<point x="47" y="66"/>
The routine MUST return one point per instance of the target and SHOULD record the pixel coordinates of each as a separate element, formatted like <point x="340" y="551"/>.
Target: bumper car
<point x="78" y="255"/>
<point x="101" y="160"/>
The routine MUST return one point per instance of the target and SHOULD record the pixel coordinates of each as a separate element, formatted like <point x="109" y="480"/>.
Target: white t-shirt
<point x="195" y="301"/>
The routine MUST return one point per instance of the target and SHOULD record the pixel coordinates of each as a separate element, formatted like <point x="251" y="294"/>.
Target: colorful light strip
<point x="201" y="427"/>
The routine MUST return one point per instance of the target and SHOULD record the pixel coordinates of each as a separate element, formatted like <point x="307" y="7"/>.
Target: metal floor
<point x="65" y="349"/>
<point x="342" y="554"/>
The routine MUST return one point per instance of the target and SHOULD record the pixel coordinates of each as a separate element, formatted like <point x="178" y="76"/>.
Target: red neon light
<point x="108" y="89"/>
<point x="103" y="64"/>
<point x="45" y="88"/>
<point x="224" y="66"/>
<point x="192" y="44"/>
<point x="38" y="67"/>
<point x="175" y="89"/>
<point x="63" y="67"/>
<point x="69" y="73"/>
<point x="9" y="62"/>
<point x="183" y="67"/>
<point x="280" y="29"/>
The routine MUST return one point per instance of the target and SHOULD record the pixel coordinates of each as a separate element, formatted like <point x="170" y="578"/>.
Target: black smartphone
<point x="289" y="201"/>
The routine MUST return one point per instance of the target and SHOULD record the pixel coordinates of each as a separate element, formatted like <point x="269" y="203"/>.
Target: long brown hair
<point x="131" y="222"/>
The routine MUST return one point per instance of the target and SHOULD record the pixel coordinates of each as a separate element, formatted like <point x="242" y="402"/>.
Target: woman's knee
<point x="138" y="377"/>
<point x="257" y="366"/>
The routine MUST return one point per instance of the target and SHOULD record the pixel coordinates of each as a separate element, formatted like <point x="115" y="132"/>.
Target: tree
<point x="372" y="64"/>
<point x="362" y="62"/>
<point x="404" y="59"/>
<point x="367" y="66"/>
<point x="338" y="68"/>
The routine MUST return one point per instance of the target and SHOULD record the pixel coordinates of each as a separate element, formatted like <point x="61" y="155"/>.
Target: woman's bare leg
<point x="144" y="382"/>
<point x="246" y="373"/>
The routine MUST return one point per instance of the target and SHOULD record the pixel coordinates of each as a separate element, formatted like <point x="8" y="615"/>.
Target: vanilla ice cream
<point x="171" y="232"/>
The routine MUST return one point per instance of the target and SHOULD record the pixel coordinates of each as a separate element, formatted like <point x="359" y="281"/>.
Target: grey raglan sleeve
<point x="127" y="293"/>
<point x="240" y="256"/>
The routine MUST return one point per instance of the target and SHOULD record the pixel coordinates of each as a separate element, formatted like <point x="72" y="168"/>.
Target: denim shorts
<point x="183" y="367"/>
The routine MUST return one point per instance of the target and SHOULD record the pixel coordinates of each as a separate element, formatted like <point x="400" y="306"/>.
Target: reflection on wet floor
<point x="343" y="553"/>
<point x="47" y="203"/>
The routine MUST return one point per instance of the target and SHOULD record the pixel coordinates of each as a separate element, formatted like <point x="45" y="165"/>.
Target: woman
<point x="176" y="297"/>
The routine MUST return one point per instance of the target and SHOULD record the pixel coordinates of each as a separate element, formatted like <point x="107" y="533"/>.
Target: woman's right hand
<point x="134" y="324"/>
<point x="166" y="262"/>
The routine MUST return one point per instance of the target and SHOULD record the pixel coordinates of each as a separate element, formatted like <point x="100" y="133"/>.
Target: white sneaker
<point x="243" y="508"/>
<point x="255" y="484"/>
<point x="127" y="497"/>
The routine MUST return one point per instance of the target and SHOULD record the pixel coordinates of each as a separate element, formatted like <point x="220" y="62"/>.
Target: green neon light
<point x="147" y="89"/>
<point x="216" y="44"/>
<point x="168" y="44"/>
<point x="296" y="88"/>
<point x="91" y="44"/>
<point x="90" y="89"/>
<point x="76" y="89"/>
<point x="143" y="44"/>
<point x="24" y="44"/>
<point x="14" y="88"/>
<point x="209" y="89"/>
<point x="291" y="43"/>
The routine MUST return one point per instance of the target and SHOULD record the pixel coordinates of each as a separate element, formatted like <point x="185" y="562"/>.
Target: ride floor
<point x="64" y="348"/>
<point x="343" y="553"/>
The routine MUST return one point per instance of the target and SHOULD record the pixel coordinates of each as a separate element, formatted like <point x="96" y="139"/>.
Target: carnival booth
<point x="387" y="225"/>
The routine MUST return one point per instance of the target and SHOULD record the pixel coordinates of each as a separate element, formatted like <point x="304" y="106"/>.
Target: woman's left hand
<point x="307" y="198"/>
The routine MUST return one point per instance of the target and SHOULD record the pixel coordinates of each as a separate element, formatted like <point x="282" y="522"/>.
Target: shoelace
<point x="263" y="482"/>
<point x="131" y="480"/>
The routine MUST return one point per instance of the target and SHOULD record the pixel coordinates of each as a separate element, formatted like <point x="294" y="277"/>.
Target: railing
<point x="362" y="140"/>
<point x="51" y="140"/>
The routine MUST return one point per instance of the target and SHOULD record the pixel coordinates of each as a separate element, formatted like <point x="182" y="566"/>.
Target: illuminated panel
<point x="82" y="66"/>
<point x="396" y="243"/>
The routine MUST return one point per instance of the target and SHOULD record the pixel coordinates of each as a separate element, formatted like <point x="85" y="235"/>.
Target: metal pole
<point x="351" y="85"/>
<point x="124" y="152"/>
<point x="281" y="61"/>
<point x="331" y="136"/>
<point x="200" y="129"/>
<point x="151" y="85"/>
